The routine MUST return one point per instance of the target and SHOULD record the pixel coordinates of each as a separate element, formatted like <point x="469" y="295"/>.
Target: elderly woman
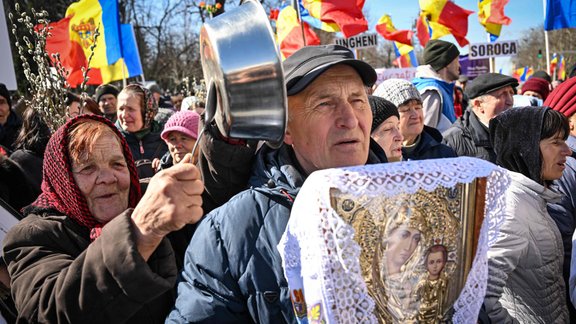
<point x="386" y="127"/>
<point x="89" y="249"/>
<point x="180" y="134"/>
<point x="420" y="142"/>
<point x="525" y="283"/>
<point x="136" y="111"/>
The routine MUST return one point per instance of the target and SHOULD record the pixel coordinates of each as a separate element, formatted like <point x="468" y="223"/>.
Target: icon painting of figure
<point x="431" y="290"/>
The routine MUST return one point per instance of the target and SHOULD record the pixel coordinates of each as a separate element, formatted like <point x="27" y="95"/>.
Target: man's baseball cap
<point x="306" y="64"/>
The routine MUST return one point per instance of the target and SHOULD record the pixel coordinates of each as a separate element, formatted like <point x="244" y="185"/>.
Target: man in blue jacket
<point x="233" y="271"/>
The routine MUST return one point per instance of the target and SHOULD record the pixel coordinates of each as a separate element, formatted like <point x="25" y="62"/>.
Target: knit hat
<point x="6" y="94"/>
<point x="537" y="85"/>
<point x="185" y="121"/>
<point x="542" y="75"/>
<point x="439" y="54"/>
<point x="397" y="91"/>
<point x="307" y="63"/>
<point x="106" y="89"/>
<point x="382" y="109"/>
<point x="487" y="83"/>
<point x="563" y="98"/>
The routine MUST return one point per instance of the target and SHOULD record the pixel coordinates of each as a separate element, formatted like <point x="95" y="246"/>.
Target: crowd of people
<point x="122" y="223"/>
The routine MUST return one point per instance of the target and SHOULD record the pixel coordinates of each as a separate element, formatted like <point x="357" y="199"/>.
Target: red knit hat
<point x="185" y="121"/>
<point x="563" y="98"/>
<point x="537" y="85"/>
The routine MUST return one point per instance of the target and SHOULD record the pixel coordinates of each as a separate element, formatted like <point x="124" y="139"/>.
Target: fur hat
<point x="563" y="98"/>
<point x="185" y="121"/>
<point x="6" y="94"/>
<point x="439" y="54"/>
<point x="397" y="91"/>
<point x="537" y="85"/>
<point x="106" y="89"/>
<point x="382" y="109"/>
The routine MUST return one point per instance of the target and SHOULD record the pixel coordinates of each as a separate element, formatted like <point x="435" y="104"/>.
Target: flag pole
<point x="546" y="40"/>
<point x="296" y="5"/>
<point x="491" y="60"/>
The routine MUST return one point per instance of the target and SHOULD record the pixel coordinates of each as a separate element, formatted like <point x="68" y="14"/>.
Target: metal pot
<point x="243" y="73"/>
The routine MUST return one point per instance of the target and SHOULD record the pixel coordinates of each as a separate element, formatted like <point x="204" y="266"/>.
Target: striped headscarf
<point x="59" y="189"/>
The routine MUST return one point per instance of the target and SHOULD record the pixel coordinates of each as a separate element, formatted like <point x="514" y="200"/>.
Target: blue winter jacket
<point x="233" y="271"/>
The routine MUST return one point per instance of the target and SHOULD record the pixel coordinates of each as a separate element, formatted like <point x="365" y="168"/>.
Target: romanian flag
<point x="523" y="74"/>
<point x="289" y="32"/>
<point x="491" y="16"/>
<point x="405" y="56"/>
<point x="73" y="36"/>
<point x="386" y="28"/>
<point x="442" y="17"/>
<point x="557" y="61"/>
<point x="339" y="15"/>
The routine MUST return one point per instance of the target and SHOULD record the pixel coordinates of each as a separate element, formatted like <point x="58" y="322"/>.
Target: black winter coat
<point x="429" y="147"/>
<point x="469" y="137"/>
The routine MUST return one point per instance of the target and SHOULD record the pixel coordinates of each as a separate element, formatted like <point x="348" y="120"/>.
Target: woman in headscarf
<point x="525" y="283"/>
<point x="89" y="249"/>
<point x="136" y="111"/>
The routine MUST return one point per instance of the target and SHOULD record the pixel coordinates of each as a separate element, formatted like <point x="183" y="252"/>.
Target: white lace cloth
<point x="321" y="257"/>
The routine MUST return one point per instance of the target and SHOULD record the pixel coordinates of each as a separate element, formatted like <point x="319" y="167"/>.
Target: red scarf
<point x="60" y="191"/>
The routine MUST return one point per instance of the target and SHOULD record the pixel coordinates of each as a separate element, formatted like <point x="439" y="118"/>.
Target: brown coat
<point x="58" y="276"/>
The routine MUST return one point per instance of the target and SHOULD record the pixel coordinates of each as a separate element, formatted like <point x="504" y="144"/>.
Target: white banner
<point x="402" y="73"/>
<point x="496" y="49"/>
<point x="358" y="41"/>
<point x="7" y="75"/>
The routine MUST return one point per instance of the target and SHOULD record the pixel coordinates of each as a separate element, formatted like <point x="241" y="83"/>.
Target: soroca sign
<point x="496" y="49"/>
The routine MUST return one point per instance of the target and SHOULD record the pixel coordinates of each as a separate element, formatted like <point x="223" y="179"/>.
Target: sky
<point x="524" y="14"/>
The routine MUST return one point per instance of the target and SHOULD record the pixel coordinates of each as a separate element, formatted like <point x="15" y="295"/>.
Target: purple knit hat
<point x="185" y="121"/>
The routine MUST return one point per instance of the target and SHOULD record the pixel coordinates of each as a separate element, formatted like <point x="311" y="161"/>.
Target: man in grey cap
<point x="106" y="97"/>
<point x="490" y="94"/>
<point x="233" y="271"/>
<point x="434" y="80"/>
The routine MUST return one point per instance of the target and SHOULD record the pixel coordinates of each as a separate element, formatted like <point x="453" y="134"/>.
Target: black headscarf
<point x="515" y="136"/>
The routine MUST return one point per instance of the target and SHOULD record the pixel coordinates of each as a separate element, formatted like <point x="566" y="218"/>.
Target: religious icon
<point x="412" y="245"/>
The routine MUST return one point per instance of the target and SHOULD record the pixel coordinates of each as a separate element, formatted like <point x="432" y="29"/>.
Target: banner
<point x="473" y="68"/>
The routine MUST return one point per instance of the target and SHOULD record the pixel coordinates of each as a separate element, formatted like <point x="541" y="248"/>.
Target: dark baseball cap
<point x="306" y="64"/>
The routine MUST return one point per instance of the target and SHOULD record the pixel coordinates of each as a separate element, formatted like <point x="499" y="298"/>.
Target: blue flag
<point x="560" y="14"/>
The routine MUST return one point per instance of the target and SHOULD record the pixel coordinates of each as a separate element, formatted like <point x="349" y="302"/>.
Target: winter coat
<point x="437" y="98"/>
<point x="429" y="147"/>
<point x="151" y="146"/>
<point x="233" y="271"/>
<point x="469" y="137"/>
<point x="9" y="131"/>
<point x="59" y="276"/>
<point x="31" y="163"/>
<point x="15" y="189"/>
<point x="525" y="282"/>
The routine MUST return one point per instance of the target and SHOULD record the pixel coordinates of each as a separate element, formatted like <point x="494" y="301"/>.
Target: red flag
<point x="456" y="19"/>
<point x="386" y="28"/>
<point x="346" y="14"/>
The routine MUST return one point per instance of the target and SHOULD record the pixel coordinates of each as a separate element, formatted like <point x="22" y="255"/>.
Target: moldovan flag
<point x="405" y="56"/>
<point x="523" y="74"/>
<point x="558" y="61"/>
<point x="560" y="14"/>
<point x="440" y="17"/>
<point x="386" y="28"/>
<point x="491" y="16"/>
<point x="73" y="36"/>
<point x="339" y="15"/>
<point x="289" y="32"/>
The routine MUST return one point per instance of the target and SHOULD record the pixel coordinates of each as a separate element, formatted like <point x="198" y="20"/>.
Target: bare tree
<point x="561" y="41"/>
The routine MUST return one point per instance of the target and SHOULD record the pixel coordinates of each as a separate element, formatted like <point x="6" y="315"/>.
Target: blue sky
<point x="524" y="14"/>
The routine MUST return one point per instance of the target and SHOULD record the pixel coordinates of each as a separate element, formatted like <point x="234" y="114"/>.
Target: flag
<point x="339" y="15"/>
<point x="73" y="36"/>
<point x="561" y="69"/>
<point x="523" y="74"/>
<point x="315" y="22"/>
<point x="560" y="14"/>
<point x="386" y="28"/>
<point x="128" y="65"/>
<point x="442" y="17"/>
<point x="491" y="16"/>
<point x="405" y="56"/>
<point x="553" y="63"/>
<point x="557" y="61"/>
<point x="289" y="32"/>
